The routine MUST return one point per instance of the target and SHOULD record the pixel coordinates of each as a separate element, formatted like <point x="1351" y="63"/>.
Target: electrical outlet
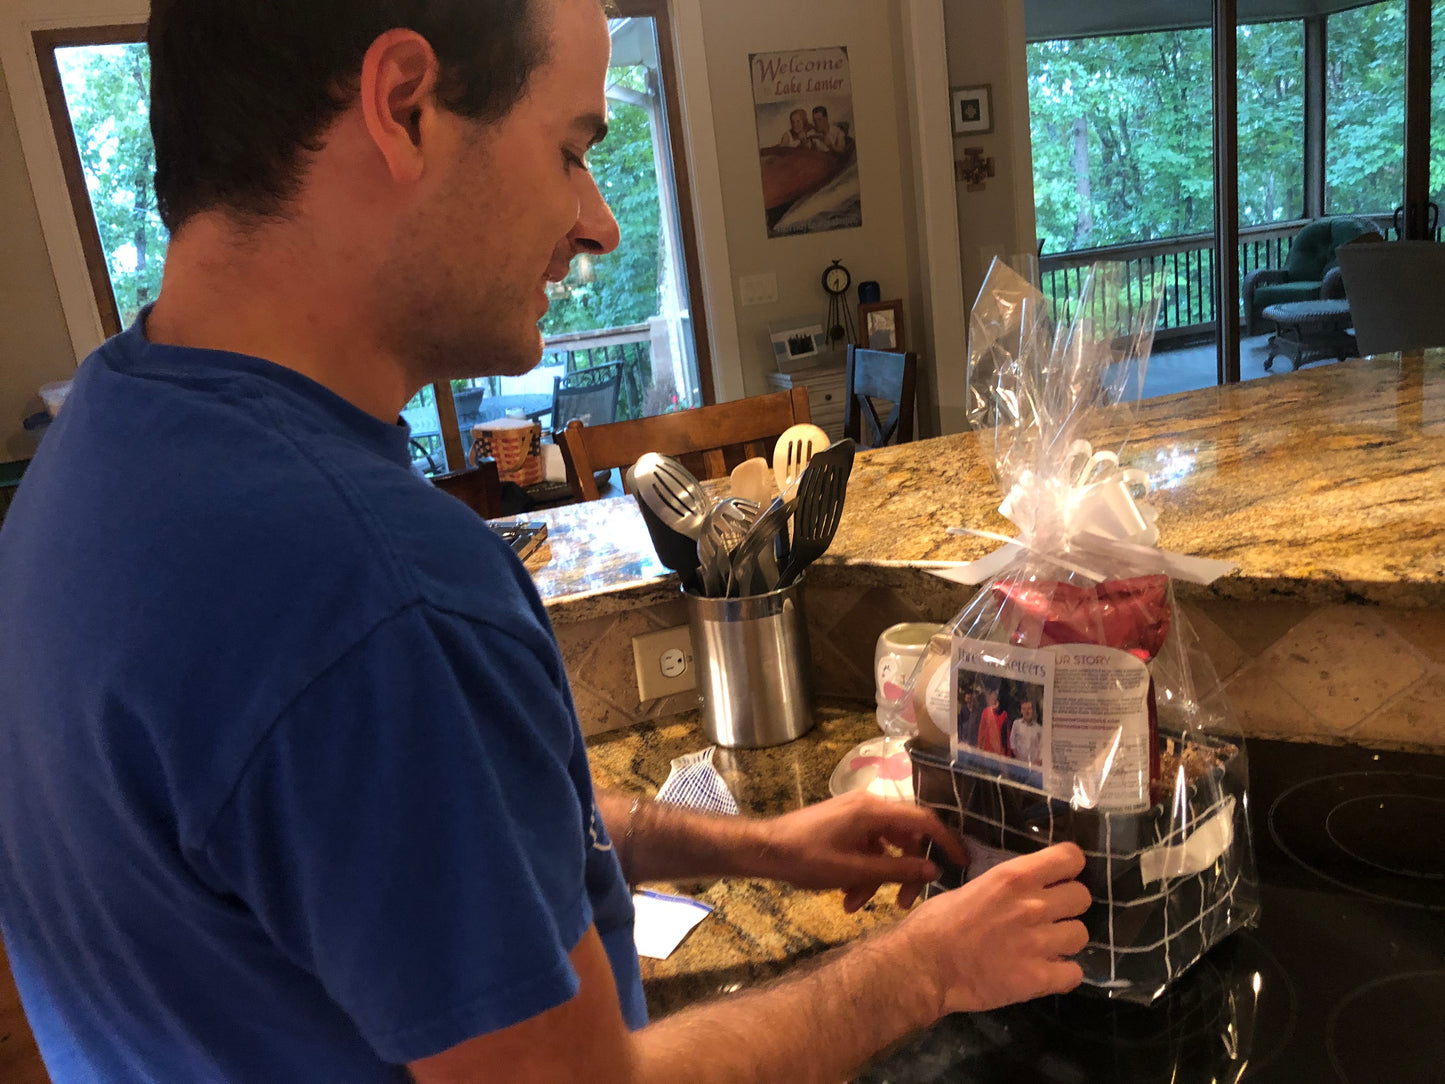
<point x="664" y="662"/>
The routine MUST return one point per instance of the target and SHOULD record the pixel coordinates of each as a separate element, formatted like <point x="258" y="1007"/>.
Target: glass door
<point x="1124" y="171"/>
<point x="1437" y="113"/>
<point x="1278" y="85"/>
<point x="1323" y="96"/>
<point x="1365" y="113"/>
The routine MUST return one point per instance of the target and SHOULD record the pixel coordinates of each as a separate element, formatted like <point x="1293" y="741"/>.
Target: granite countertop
<point x="1325" y="485"/>
<point x="758" y="928"/>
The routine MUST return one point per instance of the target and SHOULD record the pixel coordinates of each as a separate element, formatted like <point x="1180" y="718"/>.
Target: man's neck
<point x="259" y="293"/>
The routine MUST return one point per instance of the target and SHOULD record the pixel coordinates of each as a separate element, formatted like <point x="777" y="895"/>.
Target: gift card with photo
<point x="1071" y="719"/>
<point x="1001" y="695"/>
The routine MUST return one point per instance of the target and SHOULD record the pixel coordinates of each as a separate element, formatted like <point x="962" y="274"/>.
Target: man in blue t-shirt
<point x="291" y="784"/>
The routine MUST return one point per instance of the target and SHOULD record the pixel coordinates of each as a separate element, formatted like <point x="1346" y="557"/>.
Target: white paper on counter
<point x="663" y="921"/>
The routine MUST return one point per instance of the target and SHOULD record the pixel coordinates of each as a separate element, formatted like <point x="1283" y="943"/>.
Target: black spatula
<point x="819" y="507"/>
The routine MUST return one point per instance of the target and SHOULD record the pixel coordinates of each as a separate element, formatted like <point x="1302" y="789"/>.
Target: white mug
<point x="897" y="652"/>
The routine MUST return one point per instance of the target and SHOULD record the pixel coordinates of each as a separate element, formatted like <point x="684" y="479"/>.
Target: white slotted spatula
<point x="797" y="445"/>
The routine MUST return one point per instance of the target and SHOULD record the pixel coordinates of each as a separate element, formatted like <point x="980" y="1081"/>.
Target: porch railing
<point x="575" y="352"/>
<point x="630" y="347"/>
<point x="1189" y="305"/>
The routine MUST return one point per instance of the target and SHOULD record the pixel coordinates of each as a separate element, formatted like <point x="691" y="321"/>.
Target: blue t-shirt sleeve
<point x="409" y="833"/>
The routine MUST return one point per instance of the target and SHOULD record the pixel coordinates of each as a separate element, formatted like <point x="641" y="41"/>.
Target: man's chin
<point x="504" y="359"/>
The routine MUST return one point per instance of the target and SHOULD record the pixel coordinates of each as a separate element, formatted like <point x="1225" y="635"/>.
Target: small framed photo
<point x="973" y="110"/>
<point x="795" y="341"/>
<point x="880" y="325"/>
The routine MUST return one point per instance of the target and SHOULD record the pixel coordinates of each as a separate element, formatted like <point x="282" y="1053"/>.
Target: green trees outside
<point x="1123" y="139"/>
<point x="623" y="287"/>
<point x="1122" y="127"/>
<point x="107" y="90"/>
<point x="1365" y="106"/>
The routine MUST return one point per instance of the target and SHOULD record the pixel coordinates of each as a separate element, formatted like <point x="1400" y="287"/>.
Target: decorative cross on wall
<point x="973" y="169"/>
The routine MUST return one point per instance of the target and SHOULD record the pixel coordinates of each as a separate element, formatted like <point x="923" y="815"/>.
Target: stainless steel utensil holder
<point x="754" y="667"/>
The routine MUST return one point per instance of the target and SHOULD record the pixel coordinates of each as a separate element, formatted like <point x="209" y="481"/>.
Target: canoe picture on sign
<point x="803" y="101"/>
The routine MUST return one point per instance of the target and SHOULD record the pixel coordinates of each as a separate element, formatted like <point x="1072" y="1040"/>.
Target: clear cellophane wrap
<point x="1069" y="700"/>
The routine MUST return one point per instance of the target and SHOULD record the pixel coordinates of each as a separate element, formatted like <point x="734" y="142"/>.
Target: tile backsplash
<point x="1368" y="674"/>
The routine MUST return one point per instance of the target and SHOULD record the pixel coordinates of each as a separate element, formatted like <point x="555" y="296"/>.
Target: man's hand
<point x="856" y="842"/>
<point x="1005" y="935"/>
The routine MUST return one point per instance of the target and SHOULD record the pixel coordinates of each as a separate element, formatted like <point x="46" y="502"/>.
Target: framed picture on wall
<point x="973" y="110"/>
<point x="880" y="325"/>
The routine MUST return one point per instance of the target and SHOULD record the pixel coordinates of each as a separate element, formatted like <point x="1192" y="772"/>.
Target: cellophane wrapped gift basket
<point x="1068" y="699"/>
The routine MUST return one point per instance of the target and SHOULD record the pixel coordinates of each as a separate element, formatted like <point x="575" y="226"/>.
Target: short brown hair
<point x="241" y="89"/>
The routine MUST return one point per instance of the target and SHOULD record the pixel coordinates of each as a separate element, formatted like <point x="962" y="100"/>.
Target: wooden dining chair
<point x="709" y="441"/>
<point x="884" y="375"/>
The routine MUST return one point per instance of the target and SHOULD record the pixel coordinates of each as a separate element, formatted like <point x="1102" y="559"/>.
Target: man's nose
<point x="596" y="230"/>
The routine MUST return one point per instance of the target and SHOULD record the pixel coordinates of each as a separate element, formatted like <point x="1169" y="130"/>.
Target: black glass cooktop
<point x="1342" y="981"/>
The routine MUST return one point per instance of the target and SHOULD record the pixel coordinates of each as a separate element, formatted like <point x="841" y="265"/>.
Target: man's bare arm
<point x="1002" y="937"/>
<point x="856" y="842"/>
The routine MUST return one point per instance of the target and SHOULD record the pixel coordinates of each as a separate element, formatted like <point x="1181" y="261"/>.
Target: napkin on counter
<point x="696" y="784"/>
<point x="663" y="921"/>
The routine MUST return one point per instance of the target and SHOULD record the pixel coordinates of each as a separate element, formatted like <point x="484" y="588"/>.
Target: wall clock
<point x="839" y="326"/>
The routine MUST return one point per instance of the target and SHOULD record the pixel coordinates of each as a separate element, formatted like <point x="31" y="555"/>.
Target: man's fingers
<point x="914" y="824"/>
<point x="888" y="869"/>
<point x="1050" y="866"/>
<point x="908" y="893"/>
<point x="1060" y="977"/>
<point x="855" y="898"/>
<point x="1068" y="899"/>
<point x="1065" y="938"/>
<point x="905" y="826"/>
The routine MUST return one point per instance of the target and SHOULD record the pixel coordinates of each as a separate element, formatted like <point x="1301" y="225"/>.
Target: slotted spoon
<point x="726" y="526"/>
<point x="672" y="492"/>
<point x="797" y="445"/>
<point x="760" y="539"/>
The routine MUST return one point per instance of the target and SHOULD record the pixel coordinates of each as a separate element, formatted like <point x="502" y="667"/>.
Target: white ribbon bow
<point x="1093" y="513"/>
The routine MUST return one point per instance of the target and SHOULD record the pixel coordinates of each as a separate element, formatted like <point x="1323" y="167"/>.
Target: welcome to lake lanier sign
<point x="807" y="141"/>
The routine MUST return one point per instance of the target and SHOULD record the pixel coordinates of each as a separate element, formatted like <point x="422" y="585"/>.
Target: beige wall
<point x="34" y="342"/>
<point x="884" y="247"/>
<point x="986" y="45"/>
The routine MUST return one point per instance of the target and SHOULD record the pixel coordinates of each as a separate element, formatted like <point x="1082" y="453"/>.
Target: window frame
<point x="45" y="43"/>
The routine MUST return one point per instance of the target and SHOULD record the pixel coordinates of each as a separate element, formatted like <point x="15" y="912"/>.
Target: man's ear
<point x="398" y="84"/>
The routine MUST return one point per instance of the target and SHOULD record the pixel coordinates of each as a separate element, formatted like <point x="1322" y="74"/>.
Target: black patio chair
<point x="588" y="395"/>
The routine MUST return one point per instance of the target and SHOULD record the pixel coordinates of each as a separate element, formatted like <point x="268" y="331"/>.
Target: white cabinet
<point x="825" y="395"/>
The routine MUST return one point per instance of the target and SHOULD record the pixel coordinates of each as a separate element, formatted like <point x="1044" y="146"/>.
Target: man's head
<point x="425" y="155"/>
<point x="820" y="118"/>
<point x="1026" y="710"/>
<point x="242" y="91"/>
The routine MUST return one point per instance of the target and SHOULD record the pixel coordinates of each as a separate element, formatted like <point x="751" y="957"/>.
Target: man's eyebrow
<point x="596" y="124"/>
